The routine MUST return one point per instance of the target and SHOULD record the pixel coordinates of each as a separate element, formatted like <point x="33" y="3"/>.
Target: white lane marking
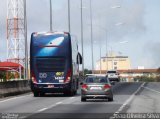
<point x="14" y="98"/>
<point x="23" y="117"/>
<point x="128" y="100"/>
<point x="55" y="105"/>
<point x="43" y="109"/>
<point x="72" y="98"/>
<point x="51" y="106"/>
<point x="59" y="103"/>
<point x="151" y="89"/>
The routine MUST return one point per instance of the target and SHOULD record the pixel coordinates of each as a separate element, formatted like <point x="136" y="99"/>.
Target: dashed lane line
<point x="2" y="101"/>
<point x="72" y="98"/>
<point x="43" y="109"/>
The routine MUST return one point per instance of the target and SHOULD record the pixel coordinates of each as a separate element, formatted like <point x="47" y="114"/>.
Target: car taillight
<point x="33" y="77"/>
<point x="106" y="86"/>
<point x="68" y="77"/>
<point x="84" y="86"/>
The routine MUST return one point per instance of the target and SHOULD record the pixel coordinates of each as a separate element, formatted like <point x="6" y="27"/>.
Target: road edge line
<point x="13" y="98"/>
<point x="150" y="89"/>
<point x="128" y="100"/>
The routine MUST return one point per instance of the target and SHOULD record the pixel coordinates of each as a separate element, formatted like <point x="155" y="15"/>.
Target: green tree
<point x="2" y="75"/>
<point x="158" y="70"/>
<point x="86" y="71"/>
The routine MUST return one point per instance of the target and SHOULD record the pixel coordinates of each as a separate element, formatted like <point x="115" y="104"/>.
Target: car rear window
<point x="96" y="80"/>
<point x="111" y="72"/>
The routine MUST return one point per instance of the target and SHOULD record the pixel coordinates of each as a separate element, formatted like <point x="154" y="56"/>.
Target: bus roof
<point x="49" y="33"/>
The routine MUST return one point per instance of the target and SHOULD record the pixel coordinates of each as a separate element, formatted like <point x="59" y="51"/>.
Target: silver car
<point x="95" y="87"/>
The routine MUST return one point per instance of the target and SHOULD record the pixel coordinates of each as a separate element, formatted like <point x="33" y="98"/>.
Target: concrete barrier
<point x="11" y="88"/>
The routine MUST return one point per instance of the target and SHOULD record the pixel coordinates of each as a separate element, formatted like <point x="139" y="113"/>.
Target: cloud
<point x="3" y="41"/>
<point x="131" y="14"/>
<point x="37" y="15"/>
<point x="153" y="50"/>
<point x="132" y="17"/>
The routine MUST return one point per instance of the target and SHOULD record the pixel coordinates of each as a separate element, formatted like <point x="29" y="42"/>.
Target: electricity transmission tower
<point x="15" y="31"/>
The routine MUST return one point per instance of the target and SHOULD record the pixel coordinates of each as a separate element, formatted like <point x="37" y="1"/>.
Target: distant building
<point x="140" y="67"/>
<point x="113" y="62"/>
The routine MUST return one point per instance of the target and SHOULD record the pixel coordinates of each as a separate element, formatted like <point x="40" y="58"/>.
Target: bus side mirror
<point x="79" y="58"/>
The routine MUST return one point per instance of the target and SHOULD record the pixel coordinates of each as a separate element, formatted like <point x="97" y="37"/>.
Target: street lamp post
<point x="82" y="36"/>
<point x="117" y="6"/>
<point x="106" y="50"/>
<point x="69" y="22"/>
<point x="121" y="42"/>
<point x="117" y="24"/>
<point x="51" y="15"/>
<point x="91" y="37"/>
<point x="105" y="30"/>
<point x="26" y="46"/>
<point x="100" y="56"/>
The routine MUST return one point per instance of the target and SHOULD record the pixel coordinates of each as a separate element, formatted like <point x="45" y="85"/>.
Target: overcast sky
<point x="140" y="18"/>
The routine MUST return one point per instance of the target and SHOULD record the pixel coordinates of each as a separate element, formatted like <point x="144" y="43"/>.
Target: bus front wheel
<point x="36" y="94"/>
<point x="69" y="93"/>
<point x="75" y="92"/>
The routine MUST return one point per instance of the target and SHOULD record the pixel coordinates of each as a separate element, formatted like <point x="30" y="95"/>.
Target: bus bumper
<point x="50" y="88"/>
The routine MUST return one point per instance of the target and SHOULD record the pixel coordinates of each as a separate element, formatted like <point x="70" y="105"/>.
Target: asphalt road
<point x="147" y="100"/>
<point x="126" y="96"/>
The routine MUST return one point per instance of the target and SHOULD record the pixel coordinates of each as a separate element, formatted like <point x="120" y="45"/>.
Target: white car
<point x="113" y="75"/>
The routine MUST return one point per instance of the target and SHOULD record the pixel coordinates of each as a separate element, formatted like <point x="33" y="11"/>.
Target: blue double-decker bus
<point x="54" y="63"/>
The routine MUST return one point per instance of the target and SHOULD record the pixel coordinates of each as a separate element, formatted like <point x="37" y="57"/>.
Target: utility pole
<point x="51" y="15"/>
<point x="91" y="37"/>
<point x="69" y="22"/>
<point x="26" y="43"/>
<point x="106" y="51"/>
<point x="82" y="37"/>
<point x="100" y="54"/>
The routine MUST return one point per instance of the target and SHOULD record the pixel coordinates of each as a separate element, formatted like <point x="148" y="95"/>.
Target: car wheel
<point x="42" y="94"/>
<point x="75" y="92"/>
<point x="83" y="99"/>
<point x="36" y="94"/>
<point x="110" y="99"/>
<point x="69" y="93"/>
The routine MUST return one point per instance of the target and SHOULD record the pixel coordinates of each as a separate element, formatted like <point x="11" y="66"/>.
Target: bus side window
<point x="79" y="58"/>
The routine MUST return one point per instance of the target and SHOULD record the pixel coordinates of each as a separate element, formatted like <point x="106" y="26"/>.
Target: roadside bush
<point x="157" y="79"/>
<point x="2" y="75"/>
<point x="147" y="79"/>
